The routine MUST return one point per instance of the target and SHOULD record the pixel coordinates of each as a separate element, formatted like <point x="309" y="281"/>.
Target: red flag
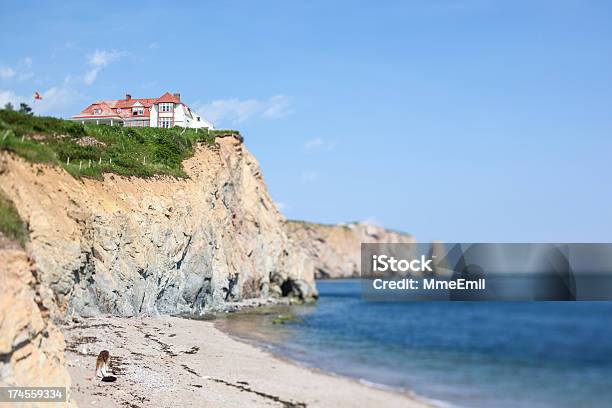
<point x="37" y="96"/>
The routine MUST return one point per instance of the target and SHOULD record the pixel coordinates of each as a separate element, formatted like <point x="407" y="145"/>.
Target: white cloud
<point x="233" y="110"/>
<point x="90" y="76"/>
<point x="6" y="72"/>
<point x="98" y="60"/>
<point x="236" y="111"/>
<point x="154" y="45"/>
<point x="21" y="71"/>
<point x="55" y="100"/>
<point x="277" y="107"/>
<point x="309" y="176"/>
<point x="7" y="96"/>
<point x="101" y="58"/>
<point x="319" y="144"/>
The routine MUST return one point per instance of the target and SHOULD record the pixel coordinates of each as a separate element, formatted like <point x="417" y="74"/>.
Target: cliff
<point x="31" y="346"/>
<point x="335" y="250"/>
<point x="130" y="246"/>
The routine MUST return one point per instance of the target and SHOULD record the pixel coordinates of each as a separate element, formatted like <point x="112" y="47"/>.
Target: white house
<point x="166" y="111"/>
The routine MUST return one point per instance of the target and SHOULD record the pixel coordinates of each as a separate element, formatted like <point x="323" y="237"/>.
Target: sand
<point x="173" y="362"/>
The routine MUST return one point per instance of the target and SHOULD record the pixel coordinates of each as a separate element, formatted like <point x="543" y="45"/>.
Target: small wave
<point x="414" y="395"/>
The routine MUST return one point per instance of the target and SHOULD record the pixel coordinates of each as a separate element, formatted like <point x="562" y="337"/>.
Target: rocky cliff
<point x="31" y="346"/>
<point x="128" y="246"/>
<point x="335" y="250"/>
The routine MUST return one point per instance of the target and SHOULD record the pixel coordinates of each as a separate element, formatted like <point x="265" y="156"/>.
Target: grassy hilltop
<point x="91" y="150"/>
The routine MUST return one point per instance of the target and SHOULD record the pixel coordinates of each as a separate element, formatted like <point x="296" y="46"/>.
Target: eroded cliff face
<point x="335" y="250"/>
<point x="31" y="346"/>
<point x="128" y="246"/>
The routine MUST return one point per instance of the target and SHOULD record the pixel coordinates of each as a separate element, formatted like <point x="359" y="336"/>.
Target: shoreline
<point x="174" y="361"/>
<point x="268" y="349"/>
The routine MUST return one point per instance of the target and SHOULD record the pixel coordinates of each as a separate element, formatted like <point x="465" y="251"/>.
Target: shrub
<point x="11" y="225"/>
<point x="141" y="152"/>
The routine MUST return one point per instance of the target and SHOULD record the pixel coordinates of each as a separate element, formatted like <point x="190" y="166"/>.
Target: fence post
<point x="80" y="164"/>
<point x="68" y="161"/>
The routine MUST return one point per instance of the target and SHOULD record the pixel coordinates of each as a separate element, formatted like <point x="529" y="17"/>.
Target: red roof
<point x="122" y="108"/>
<point x="168" y="97"/>
<point x="102" y="106"/>
<point x="128" y="103"/>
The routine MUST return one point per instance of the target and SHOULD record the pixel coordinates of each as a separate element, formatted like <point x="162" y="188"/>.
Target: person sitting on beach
<point x="102" y="364"/>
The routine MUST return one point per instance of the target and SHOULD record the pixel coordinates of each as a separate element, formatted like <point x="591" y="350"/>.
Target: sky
<point x="463" y="121"/>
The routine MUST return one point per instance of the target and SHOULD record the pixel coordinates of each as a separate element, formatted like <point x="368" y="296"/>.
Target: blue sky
<point x="458" y="120"/>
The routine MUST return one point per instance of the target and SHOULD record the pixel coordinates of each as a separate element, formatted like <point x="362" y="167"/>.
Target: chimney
<point x="178" y="95"/>
<point x="128" y="97"/>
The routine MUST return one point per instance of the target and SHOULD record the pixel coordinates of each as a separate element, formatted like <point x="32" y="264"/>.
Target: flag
<point x="37" y="96"/>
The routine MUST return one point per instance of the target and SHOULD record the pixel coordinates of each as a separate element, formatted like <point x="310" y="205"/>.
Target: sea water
<point x="465" y="354"/>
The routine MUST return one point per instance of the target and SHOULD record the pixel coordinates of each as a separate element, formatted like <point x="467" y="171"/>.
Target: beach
<point x="169" y="361"/>
<point x="462" y="354"/>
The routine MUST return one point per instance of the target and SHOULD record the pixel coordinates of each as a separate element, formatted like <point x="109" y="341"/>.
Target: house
<point x="166" y="111"/>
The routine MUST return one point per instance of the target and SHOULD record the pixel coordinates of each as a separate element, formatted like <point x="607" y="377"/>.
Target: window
<point x="166" y="107"/>
<point x="137" y="123"/>
<point x="97" y="111"/>
<point x="138" y="111"/>
<point x="165" y="122"/>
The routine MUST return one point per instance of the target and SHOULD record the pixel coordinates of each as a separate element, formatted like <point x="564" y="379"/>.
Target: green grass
<point x="141" y="152"/>
<point x="282" y="319"/>
<point x="11" y="225"/>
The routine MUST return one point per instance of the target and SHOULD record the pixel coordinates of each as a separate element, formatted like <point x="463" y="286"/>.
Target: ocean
<point x="459" y="354"/>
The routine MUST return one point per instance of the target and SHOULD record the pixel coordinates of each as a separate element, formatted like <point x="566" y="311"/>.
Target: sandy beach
<point x="172" y="362"/>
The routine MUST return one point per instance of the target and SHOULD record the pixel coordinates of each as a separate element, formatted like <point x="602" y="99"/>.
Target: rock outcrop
<point x="130" y="246"/>
<point x="335" y="250"/>
<point x="31" y="346"/>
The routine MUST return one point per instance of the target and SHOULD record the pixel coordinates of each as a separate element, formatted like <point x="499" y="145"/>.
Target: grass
<point x="140" y="152"/>
<point x="11" y="225"/>
<point x="282" y="319"/>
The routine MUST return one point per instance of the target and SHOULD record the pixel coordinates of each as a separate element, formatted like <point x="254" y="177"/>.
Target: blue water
<point x="467" y="354"/>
